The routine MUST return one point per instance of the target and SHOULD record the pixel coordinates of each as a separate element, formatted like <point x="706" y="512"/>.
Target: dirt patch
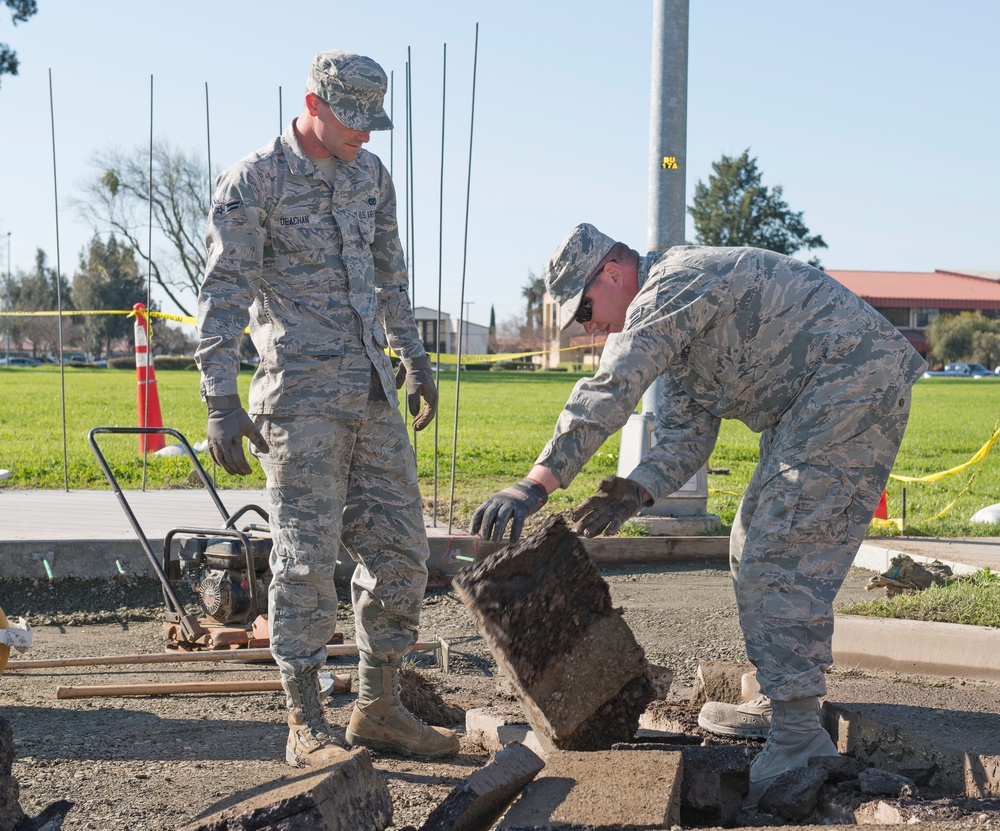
<point x="156" y="763"/>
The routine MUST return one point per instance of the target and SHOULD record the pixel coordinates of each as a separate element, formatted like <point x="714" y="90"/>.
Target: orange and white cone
<point x="145" y="376"/>
<point x="882" y="511"/>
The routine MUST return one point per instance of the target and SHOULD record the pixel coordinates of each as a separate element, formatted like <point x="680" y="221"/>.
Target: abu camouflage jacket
<point x="738" y="333"/>
<point x="316" y="267"/>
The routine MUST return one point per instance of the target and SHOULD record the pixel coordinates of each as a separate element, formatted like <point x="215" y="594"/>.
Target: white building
<point x="474" y="336"/>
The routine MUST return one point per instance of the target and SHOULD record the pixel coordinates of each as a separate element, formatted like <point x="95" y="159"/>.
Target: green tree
<point x="533" y="291"/>
<point x="38" y="291"/>
<point x="491" y="337"/>
<point x="736" y="208"/>
<point x="118" y="199"/>
<point x="107" y="279"/>
<point x="966" y="336"/>
<point x="21" y="10"/>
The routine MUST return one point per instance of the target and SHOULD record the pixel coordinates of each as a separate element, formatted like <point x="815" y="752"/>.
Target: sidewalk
<point x="84" y="532"/>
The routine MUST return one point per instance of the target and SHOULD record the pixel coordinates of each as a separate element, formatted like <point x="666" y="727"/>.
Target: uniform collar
<point x="643" y="267"/>
<point x="301" y="165"/>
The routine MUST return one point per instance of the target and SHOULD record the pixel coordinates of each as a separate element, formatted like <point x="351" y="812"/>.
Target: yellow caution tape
<point x="933" y="477"/>
<point x="441" y="358"/>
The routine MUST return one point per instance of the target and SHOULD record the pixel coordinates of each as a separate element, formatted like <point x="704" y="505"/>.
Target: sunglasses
<point x="585" y="311"/>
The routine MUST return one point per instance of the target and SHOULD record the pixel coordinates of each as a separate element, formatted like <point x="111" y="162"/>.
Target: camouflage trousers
<point x="339" y="488"/>
<point x="796" y="533"/>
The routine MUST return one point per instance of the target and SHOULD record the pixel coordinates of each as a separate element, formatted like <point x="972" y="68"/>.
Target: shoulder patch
<point x="222" y="208"/>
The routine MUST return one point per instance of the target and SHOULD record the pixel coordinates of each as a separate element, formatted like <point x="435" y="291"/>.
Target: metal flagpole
<point x="149" y="284"/>
<point x="437" y="325"/>
<point x="665" y="227"/>
<point x="208" y="143"/>
<point x="465" y="250"/>
<point x="392" y="117"/>
<point x="62" y="369"/>
<point x="411" y="217"/>
<point x="8" y="298"/>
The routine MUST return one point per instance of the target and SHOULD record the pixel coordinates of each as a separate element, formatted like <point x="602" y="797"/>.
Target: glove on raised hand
<point x="514" y="505"/>
<point x="228" y="423"/>
<point x="616" y="501"/>
<point x="419" y="379"/>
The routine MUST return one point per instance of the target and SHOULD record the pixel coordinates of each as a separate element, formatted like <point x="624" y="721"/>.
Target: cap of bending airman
<point x="574" y="261"/>
<point x="354" y="86"/>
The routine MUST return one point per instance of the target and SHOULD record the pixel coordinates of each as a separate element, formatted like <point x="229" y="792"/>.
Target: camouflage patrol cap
<point x="574" y="261"/>
<point x="354" y="86"/>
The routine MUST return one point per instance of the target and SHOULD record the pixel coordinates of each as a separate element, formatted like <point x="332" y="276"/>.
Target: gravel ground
<point x="156" y="763"/>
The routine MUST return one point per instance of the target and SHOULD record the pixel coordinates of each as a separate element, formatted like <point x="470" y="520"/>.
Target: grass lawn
<point x="505" y="418"/>
<point x="974" y="600"/>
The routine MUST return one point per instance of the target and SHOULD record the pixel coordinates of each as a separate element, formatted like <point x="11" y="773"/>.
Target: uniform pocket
<point x="814" y="502"/>
<point x="366" y="226"/>
<point x="294" y="600"/>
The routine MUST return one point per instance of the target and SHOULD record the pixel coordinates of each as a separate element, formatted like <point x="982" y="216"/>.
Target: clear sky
<point x="880" y="118"/>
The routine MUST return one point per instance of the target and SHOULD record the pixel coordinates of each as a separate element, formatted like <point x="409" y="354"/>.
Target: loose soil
<point x="156" y="763"/>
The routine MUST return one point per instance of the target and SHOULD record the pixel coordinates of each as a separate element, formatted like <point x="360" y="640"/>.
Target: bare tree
<point x="21" y="10"/>
<point x="118" y="199"/>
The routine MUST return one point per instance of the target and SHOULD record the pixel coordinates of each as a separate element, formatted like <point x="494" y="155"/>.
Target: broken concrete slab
<point x="481" y="797"/>
<point x="11" y="813"/>
<point x="51" y="819"/>
<point x="347" y="796"/>
<point x="545" y="613"/>
<point x="717" y="681"/>
<point x="601" y="789"/>
<point x="492" y="728"/>
<point x="949" y="753"/>
<point x="715" y="777"/>
<point x="794" y="794"/>
<point x="661" y="678"/>
<point x="715" y="780"/>
<point x="838" y="768"/>
<point x="878" y="782"/>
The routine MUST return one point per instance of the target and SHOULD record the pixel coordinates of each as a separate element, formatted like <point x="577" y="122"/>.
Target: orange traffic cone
<point x="145" y="376"/>
<point x="882" y="511"/>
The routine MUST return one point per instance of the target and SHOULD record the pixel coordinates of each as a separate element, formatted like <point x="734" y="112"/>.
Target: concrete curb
<point x="91" y="558"/>
<point x="917" y="647"/>
<point x="877" y="558"/>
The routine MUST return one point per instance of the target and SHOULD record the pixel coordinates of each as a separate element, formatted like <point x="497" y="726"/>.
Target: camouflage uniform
<point x="751" y="335"/>
<point x="317" y="261"/>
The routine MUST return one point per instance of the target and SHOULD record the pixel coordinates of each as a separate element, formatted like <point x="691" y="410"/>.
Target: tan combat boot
<point x="750" y="719"/>
<point x="381" y="722"/>
<point x="309" y="741"/>
<point x="797" y="735"/>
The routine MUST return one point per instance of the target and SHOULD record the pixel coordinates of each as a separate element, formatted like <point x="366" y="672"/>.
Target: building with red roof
<point x="910" y="300"/>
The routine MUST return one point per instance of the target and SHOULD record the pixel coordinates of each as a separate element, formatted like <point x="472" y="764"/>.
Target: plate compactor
<point x="227" y="568"/>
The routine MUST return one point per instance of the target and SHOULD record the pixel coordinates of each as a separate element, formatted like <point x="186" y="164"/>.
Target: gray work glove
<point x="228" y="423"/>
<point x="511" y="505"/>
<point x="616" y="501"/>
<point x="419" y="379"/>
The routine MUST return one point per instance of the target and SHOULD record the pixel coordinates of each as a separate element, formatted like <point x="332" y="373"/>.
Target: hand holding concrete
<point x="416" y="374"/>
<point x="511" y="505"/>
<point x="616" y="501"/>
<point x="228" y="423"/>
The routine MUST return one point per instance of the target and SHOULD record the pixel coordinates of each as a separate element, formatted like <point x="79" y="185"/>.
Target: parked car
<point x="961" y="369"/>
<point x="18" y="360"/>
<point x="968" y="369"/>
